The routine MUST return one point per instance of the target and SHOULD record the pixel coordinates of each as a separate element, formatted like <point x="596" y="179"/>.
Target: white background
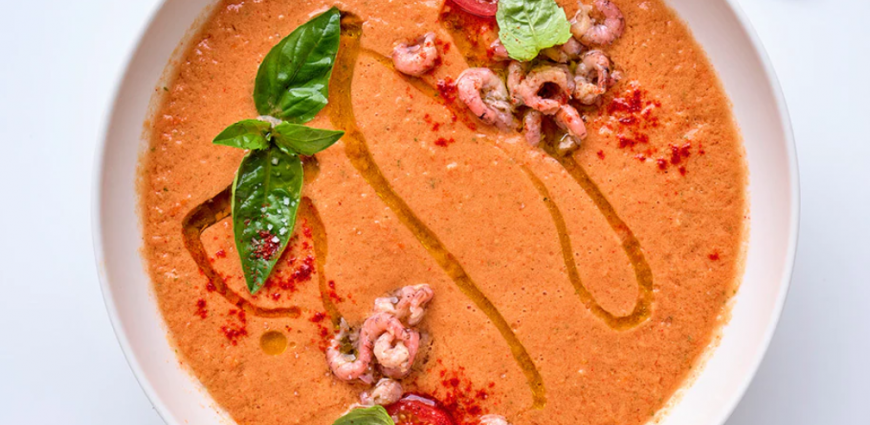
<point x="60" y="363"/>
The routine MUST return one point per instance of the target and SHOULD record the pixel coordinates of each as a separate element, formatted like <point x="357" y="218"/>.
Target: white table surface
<point x="60" y="362"/>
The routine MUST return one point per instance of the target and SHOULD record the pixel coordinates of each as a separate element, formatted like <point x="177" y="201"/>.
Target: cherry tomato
<point x="418" y="411"/>
<point x="484" y="8"/>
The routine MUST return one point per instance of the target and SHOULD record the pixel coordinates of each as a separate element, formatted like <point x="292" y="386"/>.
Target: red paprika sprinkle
<point x="444" y="142"/>
<point x="600" y="154"/>
<point x="200" y="309"/>
<point x="714" y="256"/>
<point x="233" y="330"/>
<point x="220" y="254"/>
<point x="679" y="153"/>
<point x="435" y="125"/>
<point x="628" y="142"/>
<point x="323" y="332"/>
<point x="630" y="105"/>
<point x="266" y="246"/>
<point x="663" y="165"/>
<point x="459" y="397"/>
<point x="304" y="272"/>
<point x="447" y="89"/>
<point x="628" y="120"/>
<point x="679" y="156"/>
<point x="634" y="114"/>
<point x="332" y="293"/>
<point x="317" y="318"/>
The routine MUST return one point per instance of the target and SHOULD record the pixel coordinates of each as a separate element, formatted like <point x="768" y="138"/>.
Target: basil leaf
<point x="266" y="195"/>
<point x="293" y="80"/>
<point x="528" y="26"/>
<point x="375" y="415"/>
<point x="246" y="134"/>
<point x="304" y="140"/>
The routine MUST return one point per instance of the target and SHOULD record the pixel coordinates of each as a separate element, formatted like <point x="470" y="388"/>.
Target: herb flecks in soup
<point x="578" y="188"/>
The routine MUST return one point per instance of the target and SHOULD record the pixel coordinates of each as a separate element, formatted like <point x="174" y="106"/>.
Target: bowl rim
<point x="157" y="403"/>
<point x="794" y="210"/>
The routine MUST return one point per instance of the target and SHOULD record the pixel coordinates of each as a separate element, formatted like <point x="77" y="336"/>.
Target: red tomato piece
<point x="418" y="411"/>
<point x="484" y="8"/>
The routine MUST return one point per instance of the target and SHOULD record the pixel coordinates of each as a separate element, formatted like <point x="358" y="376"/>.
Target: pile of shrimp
<point x="384" y="345"/>
<point x="576" y="72"/>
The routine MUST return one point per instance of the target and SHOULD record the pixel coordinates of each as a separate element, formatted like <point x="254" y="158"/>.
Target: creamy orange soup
<point x="579" y="289"/>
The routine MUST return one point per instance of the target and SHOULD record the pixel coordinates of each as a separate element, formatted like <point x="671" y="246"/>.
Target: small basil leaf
<point x="375" y="415"/>
<point x="266" y="194"/>
<point x="246" y="134"/>
<point x="304" y="140"/>
<point x="293" y="80"/>
<point x="528" y="26"/>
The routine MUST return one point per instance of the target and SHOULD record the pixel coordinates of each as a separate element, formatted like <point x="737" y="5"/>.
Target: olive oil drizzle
<point x="308" y="211"/>
<point x="632" y="248"/>
<point x="195" y="222"/>
<point x="218" y="208"/>
<point x="462" y="113"/>
<point x="630" y="244"/>
<point x="342" y="116"/>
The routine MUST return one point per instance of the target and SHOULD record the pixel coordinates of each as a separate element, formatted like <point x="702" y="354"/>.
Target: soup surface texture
<point x="568" y="290"/>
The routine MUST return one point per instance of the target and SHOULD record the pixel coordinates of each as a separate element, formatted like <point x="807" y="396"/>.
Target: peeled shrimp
<point x="569" y="119"/>
<point x="589" y="32"/>
<point x="385" y="392"/>
<point x="485" y="95"/>
<point x="394" y="357"/>
<point x="499" y="52"/>
<point x="529" y="91"/>
<point x="418" y="58"/>
<point x="395" y="347"/>
<point x="532" y="127"/>
<point x="408" y="303"/>
<point x="493" y="420"/>
<point x="349" y="366"/>
<point x="592" y="77"/>
<point x="398" y="360"/>
<point x="516" y="74"/>
<point x="564" y="53"/>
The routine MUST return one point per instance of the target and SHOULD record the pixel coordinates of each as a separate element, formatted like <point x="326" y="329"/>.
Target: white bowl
<point x="759" y="108"/>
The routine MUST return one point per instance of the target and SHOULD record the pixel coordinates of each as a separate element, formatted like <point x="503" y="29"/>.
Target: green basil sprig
<point x="293" y="80"/>
<point x="304" y="140"/>
<point x="246" y="134"/>
<point x="292" y="85"/>
<point x="266" y="195"/>
<point x="528" y="26"/>
<point x="375" y="415"/>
